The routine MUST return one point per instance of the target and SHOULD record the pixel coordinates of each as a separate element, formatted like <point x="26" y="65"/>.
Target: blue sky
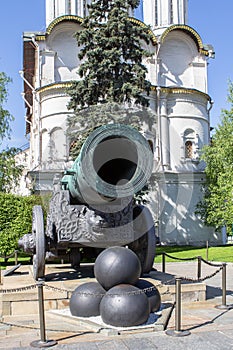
<point x="213" y="23"/>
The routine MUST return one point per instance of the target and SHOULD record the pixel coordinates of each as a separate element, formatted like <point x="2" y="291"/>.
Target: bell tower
<point x="163" y="13"/>
<point x="57" y="8"/>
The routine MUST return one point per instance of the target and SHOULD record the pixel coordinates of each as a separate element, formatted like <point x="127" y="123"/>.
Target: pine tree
<point x="112" y="73"/>
<point x="112" y="49"/>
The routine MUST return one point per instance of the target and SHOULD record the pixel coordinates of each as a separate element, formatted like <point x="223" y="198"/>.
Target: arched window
<point x="189" y="149"/>
<point x="58" y="150"/>
<point x="44" y="147"/>
<point x="190" y="145"/>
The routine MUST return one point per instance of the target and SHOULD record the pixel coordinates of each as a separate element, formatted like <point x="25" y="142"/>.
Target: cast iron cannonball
<point x="85" y="299"/>
<point x="124" y="306"/>
<point x="152" y="294"/>
<point x="117" y="265"/>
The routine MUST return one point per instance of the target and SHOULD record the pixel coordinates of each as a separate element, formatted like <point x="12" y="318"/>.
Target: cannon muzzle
<point x="115" y="162"/>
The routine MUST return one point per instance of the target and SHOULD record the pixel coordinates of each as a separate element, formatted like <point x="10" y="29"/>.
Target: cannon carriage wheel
<point x="39" y="241"/>
<point x="145" y="245"/>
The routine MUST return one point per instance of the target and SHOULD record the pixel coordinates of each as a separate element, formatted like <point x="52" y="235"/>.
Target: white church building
<point x="179" y="97"/>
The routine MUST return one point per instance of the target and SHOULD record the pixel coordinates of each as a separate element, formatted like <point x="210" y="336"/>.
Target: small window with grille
<point x="189" y="149"/>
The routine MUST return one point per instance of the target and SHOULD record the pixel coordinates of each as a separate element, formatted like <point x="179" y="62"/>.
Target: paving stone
<point x="112" y="345"/>
<point x="139" y="343"/>
<point x="218" y="339"/>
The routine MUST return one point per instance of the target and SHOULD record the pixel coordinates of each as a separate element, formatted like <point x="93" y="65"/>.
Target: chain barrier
<point x="199" y="258"/>
<point x="144" y="290"/>
<point x="182" y="259"/>
<point x="57" y="289"/>
<point x="141" y="291"/>
<point x="210" y="263"/>
<point x="189" y="279"/>
<point x="63" y="290"/>
<point x="221" y="267"/>
<point x="16" y="290"/>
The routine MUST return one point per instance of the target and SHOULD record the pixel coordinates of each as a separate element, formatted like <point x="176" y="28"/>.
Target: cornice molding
<point x="190" y="31"/>
<point x="79" y="20"/>
<point x="180" y="90"/>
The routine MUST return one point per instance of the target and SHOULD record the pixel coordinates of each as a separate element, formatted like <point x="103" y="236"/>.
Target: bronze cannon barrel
<point x="115" y="162"/>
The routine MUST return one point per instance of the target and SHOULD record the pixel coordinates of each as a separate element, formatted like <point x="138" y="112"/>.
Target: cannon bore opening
<point x="115" y="160"/>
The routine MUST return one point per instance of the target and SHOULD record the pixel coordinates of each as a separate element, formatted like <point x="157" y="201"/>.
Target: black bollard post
<point x="224" y="305"/>
<point x="163" y="262"/>
<point x="207" y="250"/>
<point x="178" y="332"/>
<point x="16" y="257"/>
<point x="42" y="342"/>
<point x="199" y="267"/>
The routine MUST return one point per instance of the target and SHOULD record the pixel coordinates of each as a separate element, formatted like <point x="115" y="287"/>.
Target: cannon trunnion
<point x="92" y="207"/>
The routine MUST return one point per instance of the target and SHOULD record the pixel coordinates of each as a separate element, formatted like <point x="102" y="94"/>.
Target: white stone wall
<point x="180" y="62"/>
<point x="54" y="144"/>
<point x="23" y="186"/>
<point x="187" y="112"/>
<point x="57" y="8"/>
<point x="60" y="54"/>
<point x="162" y="13"/>
<point x="174" y="206"/>
<point x="58" y="63"/>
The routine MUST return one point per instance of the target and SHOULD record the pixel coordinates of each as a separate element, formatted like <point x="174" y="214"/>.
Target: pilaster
<point x="165" y="138"/>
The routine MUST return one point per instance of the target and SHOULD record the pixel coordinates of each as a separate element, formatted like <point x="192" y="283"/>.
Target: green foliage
<point x="9" y="171"/>
<point x="111" y="46"/>
<point x="5" y="116"/>
<point x="15" y="219"/>
<point x="217" y="205"/>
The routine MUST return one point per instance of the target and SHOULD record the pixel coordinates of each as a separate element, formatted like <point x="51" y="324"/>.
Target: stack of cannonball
<point x="120" y="297"/>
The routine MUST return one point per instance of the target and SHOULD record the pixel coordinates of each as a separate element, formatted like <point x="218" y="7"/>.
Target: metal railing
<point x="43" y="342"/>
<point x="220" y="266"/>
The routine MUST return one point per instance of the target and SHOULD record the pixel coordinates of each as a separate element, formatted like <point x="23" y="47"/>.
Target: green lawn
<point x="22" y="259"/>
<point x="222" y="253"/>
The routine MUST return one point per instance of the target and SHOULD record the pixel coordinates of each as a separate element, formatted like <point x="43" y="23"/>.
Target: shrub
<point x="15" y="219"/>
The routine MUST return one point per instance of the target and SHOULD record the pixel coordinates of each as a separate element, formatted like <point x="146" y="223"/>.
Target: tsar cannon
<point x="92" y="205"/>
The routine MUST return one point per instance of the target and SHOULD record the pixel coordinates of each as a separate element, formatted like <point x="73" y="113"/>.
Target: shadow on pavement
<point x="213" y="292"/>
<point x="70" y="274"/>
